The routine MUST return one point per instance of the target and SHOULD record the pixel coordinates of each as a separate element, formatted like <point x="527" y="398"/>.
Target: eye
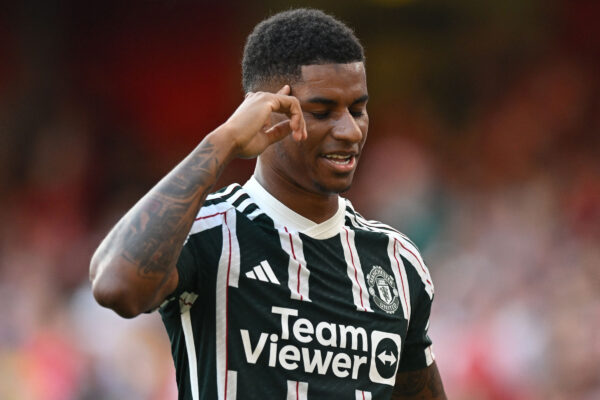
<point x="320" y="115"/>
<point x="357" y="114"/>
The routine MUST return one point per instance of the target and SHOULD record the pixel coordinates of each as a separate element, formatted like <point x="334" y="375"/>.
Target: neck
<point x="316" y="207"/>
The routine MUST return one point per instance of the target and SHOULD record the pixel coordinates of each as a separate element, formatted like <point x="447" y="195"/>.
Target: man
<point x="279" y="289"/>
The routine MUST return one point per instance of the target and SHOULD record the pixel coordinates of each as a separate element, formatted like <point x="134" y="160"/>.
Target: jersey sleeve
<point x="417" y="353"/>
<point x="188" y="269"/>
<point x="193" y="266"/>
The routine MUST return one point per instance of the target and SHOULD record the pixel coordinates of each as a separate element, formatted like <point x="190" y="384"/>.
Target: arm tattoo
<point x="158" y="225"/>
<point x="424" y="384"/>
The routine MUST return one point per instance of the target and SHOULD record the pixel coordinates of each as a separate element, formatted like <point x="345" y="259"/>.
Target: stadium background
<point x="484" y="147"/>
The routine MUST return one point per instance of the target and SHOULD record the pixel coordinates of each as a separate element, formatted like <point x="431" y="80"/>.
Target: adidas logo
<point x="263" y="272"/>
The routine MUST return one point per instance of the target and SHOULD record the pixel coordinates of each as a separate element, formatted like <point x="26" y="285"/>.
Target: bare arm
<point x="133" y="269"/>
<point x="423" y="384"/>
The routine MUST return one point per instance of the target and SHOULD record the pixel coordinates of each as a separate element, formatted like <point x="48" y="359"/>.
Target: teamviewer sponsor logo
<point x="385" y="357"/>
<point x="290" y="349"/>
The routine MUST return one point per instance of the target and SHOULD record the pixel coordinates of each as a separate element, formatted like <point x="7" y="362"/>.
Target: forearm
<point x="424" y="384"/>
<point x="137" y="258"/>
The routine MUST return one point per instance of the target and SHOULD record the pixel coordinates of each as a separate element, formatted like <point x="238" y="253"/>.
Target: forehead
<point x="332" y="81"/>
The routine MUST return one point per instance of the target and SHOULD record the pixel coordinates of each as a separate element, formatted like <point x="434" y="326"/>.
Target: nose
<point x="346" y="128"/>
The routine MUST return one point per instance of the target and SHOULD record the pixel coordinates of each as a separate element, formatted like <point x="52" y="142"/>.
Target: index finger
<point x="297" y="122"/>
<point x="290" y="106"/>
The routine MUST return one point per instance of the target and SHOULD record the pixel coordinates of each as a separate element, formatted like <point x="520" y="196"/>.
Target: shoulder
<point x="356" y="220"/>
<point x="399" y="243"/>
<point x="224" y="196"/>
<point x="231" y="200"/>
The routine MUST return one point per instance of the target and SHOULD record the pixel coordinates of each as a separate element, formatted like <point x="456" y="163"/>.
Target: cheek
<point x="317" y="138"/>
<point x="365" y="123"/>
<point x="289" y="152"/>
<point x="364" y="127"/>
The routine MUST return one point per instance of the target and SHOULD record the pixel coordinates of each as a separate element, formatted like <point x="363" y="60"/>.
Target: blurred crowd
<point x="499" y="185"/>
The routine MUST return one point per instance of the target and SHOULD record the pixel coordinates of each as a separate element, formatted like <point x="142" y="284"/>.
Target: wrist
<point x="224" y="139"/>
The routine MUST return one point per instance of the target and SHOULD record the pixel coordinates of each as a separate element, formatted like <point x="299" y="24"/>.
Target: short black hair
<point x="279" y="46"/>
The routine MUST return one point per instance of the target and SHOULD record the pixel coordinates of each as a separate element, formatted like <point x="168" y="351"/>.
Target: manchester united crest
<point x="383" y="289"/>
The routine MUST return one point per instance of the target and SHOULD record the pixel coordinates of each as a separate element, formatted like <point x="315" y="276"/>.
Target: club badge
<point x="383" y="289"/>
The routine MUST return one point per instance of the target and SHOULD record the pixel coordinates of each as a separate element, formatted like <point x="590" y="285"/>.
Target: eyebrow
<point x="329" y="102"/>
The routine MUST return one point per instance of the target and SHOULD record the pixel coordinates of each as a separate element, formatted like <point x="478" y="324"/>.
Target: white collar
<point x="282" y="215"/>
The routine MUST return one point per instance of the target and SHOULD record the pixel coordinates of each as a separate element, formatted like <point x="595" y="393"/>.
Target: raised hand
<point x="251" y="129"/>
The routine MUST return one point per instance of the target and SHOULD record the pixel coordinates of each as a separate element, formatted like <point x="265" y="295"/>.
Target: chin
<point x="334" y="188"/>
<point x="346" y="188"/>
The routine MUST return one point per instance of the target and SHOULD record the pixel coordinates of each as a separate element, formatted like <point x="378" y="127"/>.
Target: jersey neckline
<point x="293" y="221"/>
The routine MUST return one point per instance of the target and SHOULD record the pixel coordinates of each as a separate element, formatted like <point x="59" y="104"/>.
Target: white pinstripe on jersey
<point x="354" y="271"/>
<point x="190" y="346"/>
<point x="228" y="273"/>
<point x="399" y="271"/>
<point x="298" y="272"/>
<point x="297" y="390"/>
<point x="231" y="385"/>
<point x="363" y="395"/>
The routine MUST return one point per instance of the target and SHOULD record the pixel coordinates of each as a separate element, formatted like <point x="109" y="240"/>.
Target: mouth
<point x="340" y="159"/>
<point x="342" y="162"/>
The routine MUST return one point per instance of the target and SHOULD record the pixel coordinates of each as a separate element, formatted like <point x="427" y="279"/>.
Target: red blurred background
<point x="484" y="148"/>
